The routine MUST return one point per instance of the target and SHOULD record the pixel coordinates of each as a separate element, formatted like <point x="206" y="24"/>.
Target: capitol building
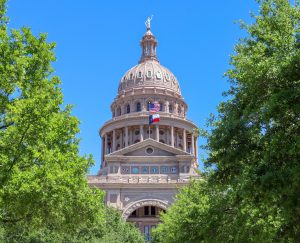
<point x="143" y="165"/>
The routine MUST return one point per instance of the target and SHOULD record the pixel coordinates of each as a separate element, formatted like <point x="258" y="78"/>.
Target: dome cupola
<point x="148" y="44"/>
<point x="149" y="73"/>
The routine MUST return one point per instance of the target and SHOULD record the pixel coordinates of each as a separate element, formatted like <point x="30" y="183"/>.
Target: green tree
<point x="118" y="231"/>
<point x="254" y="143"/>
<point x="44" y="196"/>
<point x="186" y="218"/>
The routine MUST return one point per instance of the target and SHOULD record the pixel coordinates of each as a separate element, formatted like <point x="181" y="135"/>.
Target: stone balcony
<point x="95" y="180"/>
<point x="146" y="114"/>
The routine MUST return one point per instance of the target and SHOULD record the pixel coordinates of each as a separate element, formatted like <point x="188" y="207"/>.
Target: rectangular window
<point x="146" y="210"/>
<point x="125" y="169"/>
<point x="154" y="170"/>
<point x="164" y="169"/>
<point x="152" y="211"/>
<point x="146" y="232"/>
<point x="113" y="169"/>
<point x="134" y="170"/>
<point x="174" y="170"/>
<point x="145" y="170"/>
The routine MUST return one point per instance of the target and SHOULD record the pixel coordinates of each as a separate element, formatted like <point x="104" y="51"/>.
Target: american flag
<point x="154" y="107"/>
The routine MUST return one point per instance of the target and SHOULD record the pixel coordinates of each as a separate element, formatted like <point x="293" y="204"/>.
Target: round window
<point x="149" y="150"/>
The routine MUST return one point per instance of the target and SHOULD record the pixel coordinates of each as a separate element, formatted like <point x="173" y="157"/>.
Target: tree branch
<point x="6" y="126"/>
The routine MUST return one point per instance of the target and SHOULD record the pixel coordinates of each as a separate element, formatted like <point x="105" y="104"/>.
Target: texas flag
<point x="154" y="118"/>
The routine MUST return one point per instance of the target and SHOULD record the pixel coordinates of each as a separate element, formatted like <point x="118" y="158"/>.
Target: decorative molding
<point x="148" y="142"/>
<point x="141" y="118"/>
<point x="144" y="179"/>
<point x="145" y="202"/>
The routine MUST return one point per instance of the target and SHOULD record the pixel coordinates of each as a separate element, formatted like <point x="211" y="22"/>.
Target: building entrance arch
<point x="141" y="203"/>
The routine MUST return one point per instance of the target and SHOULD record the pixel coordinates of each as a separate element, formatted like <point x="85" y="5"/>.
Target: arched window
<point x="179" y="110"/>
<point x="170" y="108"/>
<point x="119" y="111"/>
<point x="160" y="106"/>
<point x="128" y="109"/>
<point x="148" y="105"/>
<point x="138" y="106"/>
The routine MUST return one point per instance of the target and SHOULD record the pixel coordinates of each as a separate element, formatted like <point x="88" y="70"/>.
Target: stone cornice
<point x="120" y="158"/>
<point x="131" y="159"/>
<point x="131" y="181"/>
<point x="146" y="90"/>
<point x="141" y="118"/>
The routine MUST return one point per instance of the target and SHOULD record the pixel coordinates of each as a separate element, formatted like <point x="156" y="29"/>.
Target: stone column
<point x="168" y="136"/>
<point x="121" y="138"/>
<point x="102" y="151"/>
<point x="193" y="145"/>
<point x="122" y="109"/>
<point x="141" y="133"/>
<point x="144" y="105"/>
<point x="132" y="108"/>
<point x="126" y="136"/>
<point x="177" y="139"/>
<point x="130" y="136"/>
<point x="196" y="148"/>
<point x="172" y="136"/>
<point x="119" y="169"/>
<point x="157" y="132"/>
<point x="167" y="106"/>
<point x="184" y="140"/>
<point x="105" y="144"/>
<point x="176" y="109"/>
<point x="114" y="141"/>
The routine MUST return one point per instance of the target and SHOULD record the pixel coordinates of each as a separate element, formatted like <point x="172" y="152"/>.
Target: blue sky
<point x="98" y="41"/>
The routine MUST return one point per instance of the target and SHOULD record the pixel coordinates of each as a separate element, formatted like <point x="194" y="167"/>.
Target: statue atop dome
<point x="148" y="43"/>
<point x="148" y="22"/>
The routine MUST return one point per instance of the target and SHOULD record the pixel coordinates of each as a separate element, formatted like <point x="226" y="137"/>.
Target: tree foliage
<point x="254" y="143"/>
<point x="44" y="195"/>
<point x="118" y="231"/>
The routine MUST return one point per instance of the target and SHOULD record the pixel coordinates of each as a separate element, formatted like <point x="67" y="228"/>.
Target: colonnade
<point x="123" y="137"/>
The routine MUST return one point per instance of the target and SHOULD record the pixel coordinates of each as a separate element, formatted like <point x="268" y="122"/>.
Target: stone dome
<point x="149" y="72"/>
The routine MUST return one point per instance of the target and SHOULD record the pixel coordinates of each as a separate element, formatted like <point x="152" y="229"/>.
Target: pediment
<point x="140" y="149"/>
